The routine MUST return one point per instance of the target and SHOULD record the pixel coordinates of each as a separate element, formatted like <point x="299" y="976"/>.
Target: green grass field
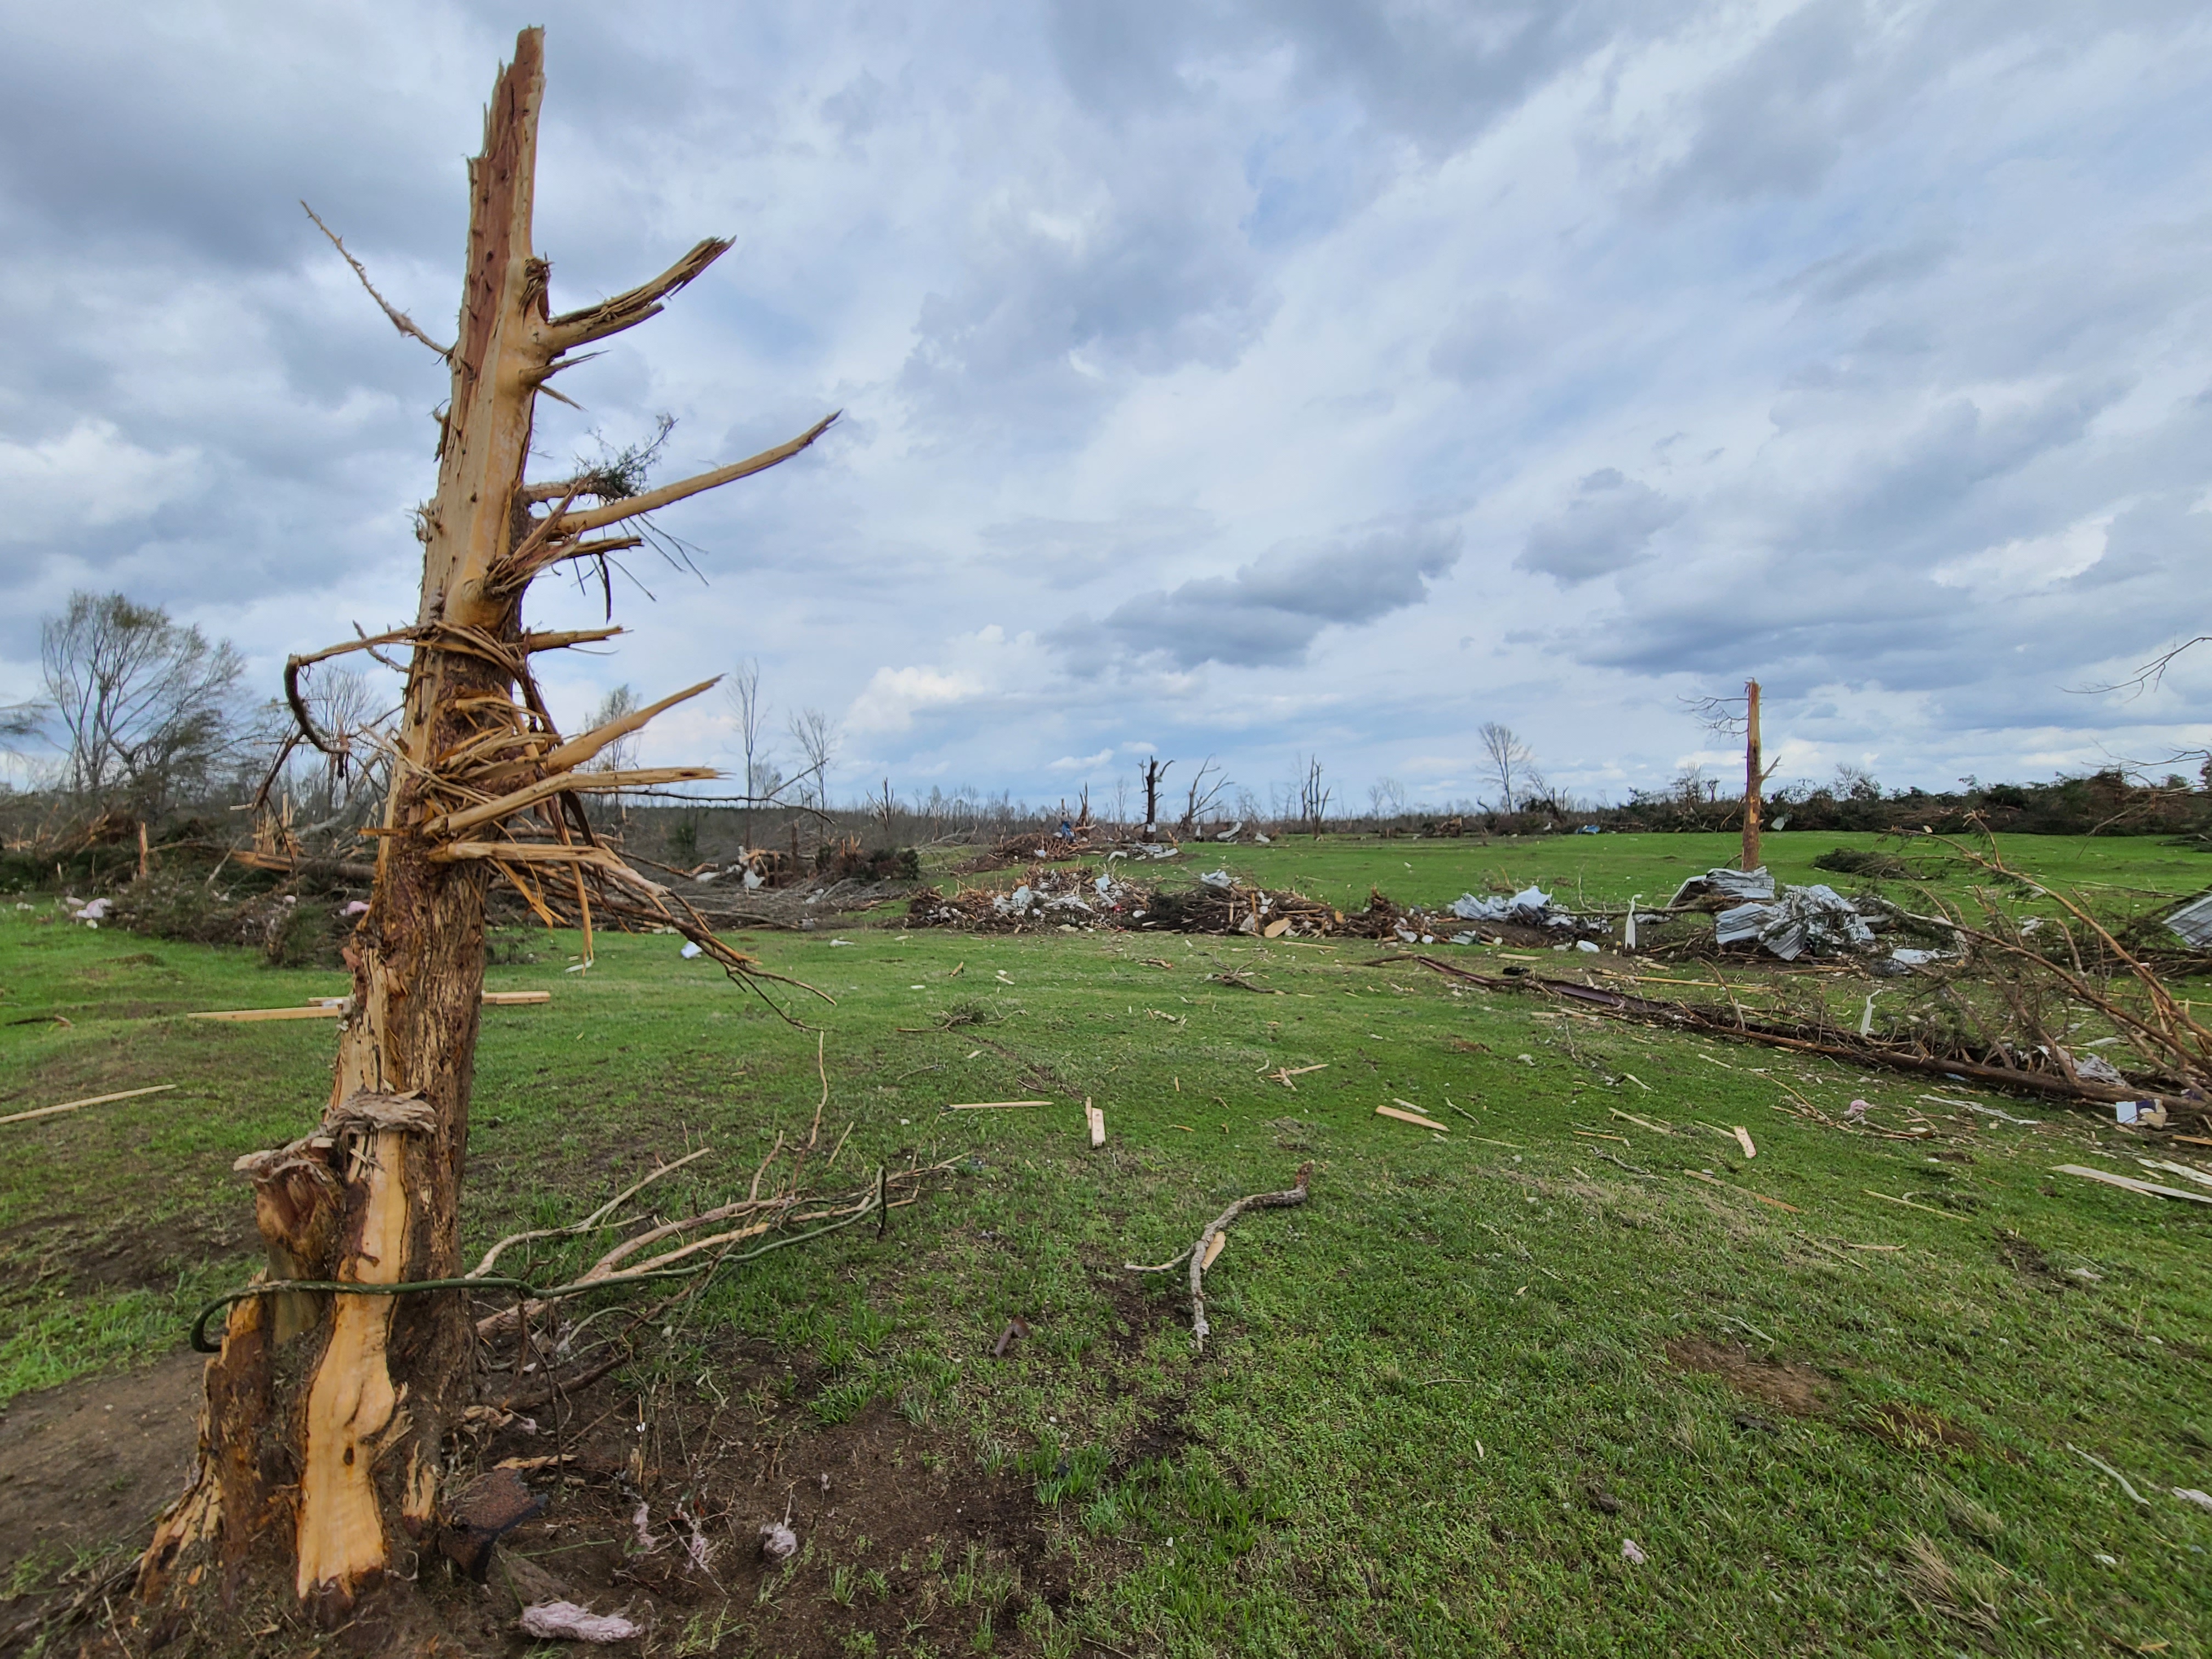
<point x="1441" y="1396"/>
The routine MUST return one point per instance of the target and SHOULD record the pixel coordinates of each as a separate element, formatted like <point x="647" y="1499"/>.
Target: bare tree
<point x="1203" y="795"/>
<point x="145" y="702"/>
<point x="1509" y="759"/>
<point x="343" y="1373"/>
<point x="763" y="779"/>
<point x="817" y="737"/>
<point x="1386" y="798"/>
<point x="1313" y="797"/>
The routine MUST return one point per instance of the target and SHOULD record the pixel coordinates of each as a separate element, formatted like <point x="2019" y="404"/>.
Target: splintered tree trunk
<point x="328" y="1406"/>
<point x="1755" y="776"/>
<point x="325" y="1412"/>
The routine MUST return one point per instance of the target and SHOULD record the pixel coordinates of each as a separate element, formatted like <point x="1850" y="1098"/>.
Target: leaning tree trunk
<point x="322" y="1441"/>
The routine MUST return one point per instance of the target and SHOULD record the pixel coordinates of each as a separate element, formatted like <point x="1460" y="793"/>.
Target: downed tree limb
<point x="874" y="1201"/>
<point x="1836" y="1044"/>
<point x="1200" y="1255"/>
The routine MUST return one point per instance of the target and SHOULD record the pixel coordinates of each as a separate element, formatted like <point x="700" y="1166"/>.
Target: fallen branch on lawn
<point x="1836" y="1043"/>
<point x="1201" y="1253"/>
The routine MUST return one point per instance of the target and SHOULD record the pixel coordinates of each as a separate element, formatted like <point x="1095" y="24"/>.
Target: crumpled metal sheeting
<point x="1722" y="883"/>
<point x="1532" y="907"/>
<point x="2192" y="923"/>
<point x="1816" y="918"/>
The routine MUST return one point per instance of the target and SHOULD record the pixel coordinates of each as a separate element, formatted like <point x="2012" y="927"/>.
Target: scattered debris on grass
<point x="2129" y="1183"/>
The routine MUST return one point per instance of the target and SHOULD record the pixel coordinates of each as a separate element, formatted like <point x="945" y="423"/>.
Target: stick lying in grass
<point x="90" y="1100"/>
<point x="1202" y="1253"/>
<point x="993" y="1105"/>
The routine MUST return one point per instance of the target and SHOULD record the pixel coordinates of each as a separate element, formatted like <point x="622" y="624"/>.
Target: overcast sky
<point x="1261" y="379"/>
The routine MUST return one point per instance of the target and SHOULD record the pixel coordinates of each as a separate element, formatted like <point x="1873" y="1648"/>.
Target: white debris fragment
<point x="1632" y="1552"/>
<point x="778" y="1541"/>
<point x="564" y="1621"/>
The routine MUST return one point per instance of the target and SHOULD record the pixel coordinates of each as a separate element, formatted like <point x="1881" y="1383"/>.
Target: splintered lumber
<point x="1097" y="1120"/>
<point x="993" y="1105"/>
<point x="1743" y="1140"/>
<point x="90" y="1100"/>
<point x="2129" y="1183"/>
<point x="332" y="1007"/>
<point x="1413" y="1117"/>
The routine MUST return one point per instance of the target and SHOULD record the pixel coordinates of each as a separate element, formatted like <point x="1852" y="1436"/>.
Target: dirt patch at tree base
<point x="87" y="1465"/>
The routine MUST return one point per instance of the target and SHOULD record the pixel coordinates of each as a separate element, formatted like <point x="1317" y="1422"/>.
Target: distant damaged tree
<point x="1313" y="797"/>
<point x="1509" y="759"/>
<point x="1386" y="798"/>
<point x="817" y="737"/>
<point x="1155" y="769"/>
<point x="344" y="1372"/>
<point x="762" y="777"/>
<point x="145" y="703"/>
<point x="1203" y="795"/>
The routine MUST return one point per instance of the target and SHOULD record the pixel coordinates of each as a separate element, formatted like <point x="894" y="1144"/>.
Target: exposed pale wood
<point x="351" y="1403"/>
<point x="556" y="640"/>
<point x="575" y="523"/>
<point x="90" y="1100"/>
<point x="574" y="752"/>
<point x="993" y="1105"/>
<point x="1413" y="1117"/>
<point x="1097" y="1120"/>
<point x="626" y="310"/>
<point x="546" y="788"/>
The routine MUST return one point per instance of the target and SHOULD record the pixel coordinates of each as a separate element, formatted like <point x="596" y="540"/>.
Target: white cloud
<point x="893" y="697"/>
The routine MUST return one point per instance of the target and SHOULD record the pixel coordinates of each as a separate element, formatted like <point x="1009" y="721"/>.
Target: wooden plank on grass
<point x="992" y="1105"/>
<point x="1097" y="1120"/>
<point x="90" y="1100"/>
<point x="1413" y="1117"/>
<point x="2129" y="1183"/>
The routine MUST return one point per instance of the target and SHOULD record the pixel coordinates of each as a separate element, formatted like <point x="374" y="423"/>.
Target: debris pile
<point x="1818" y="919"/>
<point x="1048" y="896"/>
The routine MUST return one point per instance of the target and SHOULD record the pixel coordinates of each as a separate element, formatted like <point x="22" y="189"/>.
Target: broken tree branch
<point x="626" y="310"/>
<point x="546" y="788"/>
<point x="575" y="523"/>
<point x="400" y="320"/>
<point x="1201" y="1252"/>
